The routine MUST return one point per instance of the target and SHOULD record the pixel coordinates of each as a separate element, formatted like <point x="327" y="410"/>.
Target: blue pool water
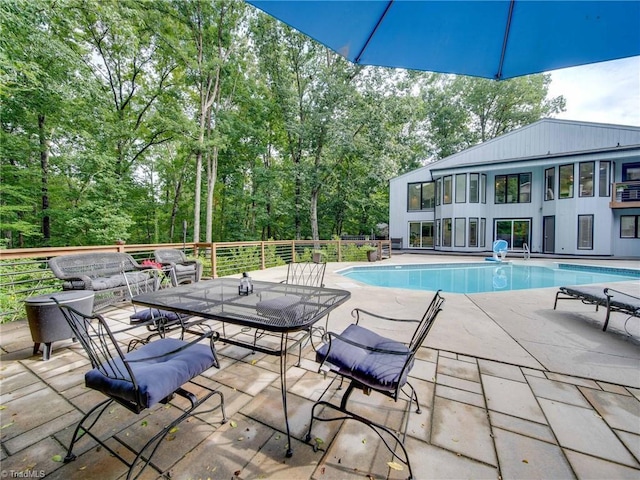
<point x="485" y="277"/>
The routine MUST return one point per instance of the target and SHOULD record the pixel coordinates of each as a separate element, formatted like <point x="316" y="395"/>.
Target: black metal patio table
<point x="286" y="310"/>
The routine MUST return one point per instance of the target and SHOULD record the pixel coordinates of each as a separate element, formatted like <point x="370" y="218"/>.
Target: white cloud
<point x="607" y="92"/>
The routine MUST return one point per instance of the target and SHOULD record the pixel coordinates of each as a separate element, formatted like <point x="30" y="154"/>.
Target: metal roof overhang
<point x="539" y="160"/>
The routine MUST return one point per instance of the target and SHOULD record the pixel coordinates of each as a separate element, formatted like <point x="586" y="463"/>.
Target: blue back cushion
<point x="382" y="371"/>
<point x="157" y="378"/>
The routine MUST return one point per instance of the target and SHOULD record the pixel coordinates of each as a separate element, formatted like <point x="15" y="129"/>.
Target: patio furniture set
<point x="275" y="318"/>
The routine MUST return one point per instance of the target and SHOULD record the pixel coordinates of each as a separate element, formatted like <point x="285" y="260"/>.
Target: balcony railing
<point x="625" y="195"/>
<point x="24" y="272"/>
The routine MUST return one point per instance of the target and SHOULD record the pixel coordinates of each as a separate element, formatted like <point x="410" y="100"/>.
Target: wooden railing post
<point x="262" y="262"/>
<point x="293" y="251"/>
<point x="339" y="250"/>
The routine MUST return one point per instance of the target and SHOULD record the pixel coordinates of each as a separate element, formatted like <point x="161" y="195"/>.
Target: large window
<point x="461" y="188"/>
<point x="421" y="234"/>
<point x="446" y="232"/>
<point x="549" y="183"/>
<point x="585" y="232"/>
<point x="438" y="191"/>
<point x="421" y="196"/>
<point x="474" y="187"/>
<point x="483" y="188"/>
<point x="515" y="232"/>
<point x="566" y="181"/>
<point x="604" y="179"/>
<point x="586" y="171"/>
<point x="446" y="189"/>
<point x="460" y="232"/>
<point x="473" y="232"/>
<point x="630" y="226"/>
<point x="513" y="188"/>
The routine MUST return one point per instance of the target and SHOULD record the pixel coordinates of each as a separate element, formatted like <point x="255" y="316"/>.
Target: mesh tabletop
<point x="271" y="306"/>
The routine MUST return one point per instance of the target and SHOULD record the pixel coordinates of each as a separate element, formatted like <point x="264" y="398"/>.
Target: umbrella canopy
<point x="496" y="39"/>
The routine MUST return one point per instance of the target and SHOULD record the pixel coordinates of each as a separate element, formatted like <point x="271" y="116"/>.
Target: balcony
<point x="625" y="195"/>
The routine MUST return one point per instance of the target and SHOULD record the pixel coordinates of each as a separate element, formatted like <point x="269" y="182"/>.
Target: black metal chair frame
<point x="309" y="274"/>
<point x="419" y="335"/>
<point x="103" y="350"/>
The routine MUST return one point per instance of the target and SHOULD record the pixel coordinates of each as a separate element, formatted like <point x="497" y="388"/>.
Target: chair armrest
<point x="359" y="313"/>
<point x="607" y="290"/>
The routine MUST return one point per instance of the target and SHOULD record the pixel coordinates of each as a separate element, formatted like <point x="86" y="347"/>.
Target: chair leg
<point x="379" y="429"/>
<point x="102" y="406"/>
<point x="142" y="461"/>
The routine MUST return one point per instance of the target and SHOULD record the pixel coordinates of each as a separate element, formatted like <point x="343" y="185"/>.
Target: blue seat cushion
<point x="158" y="377"/>
<point x="153" y="314"/>
<point x="378" y="370"/>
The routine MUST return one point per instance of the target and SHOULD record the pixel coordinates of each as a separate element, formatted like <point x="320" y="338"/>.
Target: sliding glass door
<point x="516" y="232"/>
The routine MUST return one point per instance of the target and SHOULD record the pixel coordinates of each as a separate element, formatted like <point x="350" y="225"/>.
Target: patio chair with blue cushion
<point x="184" y="270"/>
<point x="374" y="363"/>
<point x="155" y="373"/>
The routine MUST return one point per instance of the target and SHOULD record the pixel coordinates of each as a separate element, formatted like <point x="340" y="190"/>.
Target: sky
<point x="607" y="92"/>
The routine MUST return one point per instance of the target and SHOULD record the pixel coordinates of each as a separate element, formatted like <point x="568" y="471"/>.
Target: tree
<point x="464" y="111"/>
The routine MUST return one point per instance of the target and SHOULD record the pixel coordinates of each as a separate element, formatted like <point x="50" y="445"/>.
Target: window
<point x="461" y="188"/>
<point x="474" y="187"/>
<point x="566" y="181"/>
<point x="515" y="232"/>
<point x="421" y="196"/>
<point x="524" y="188"/>
<point x="438" y="191"/>
<point x="460" y="232"/>
<point x="473" y="232"/>
<point x="585" y="232"/>
<point x="549" y="183"/>
<point x="415" y="196"/>
<point x="586" y="171"/>
<point x="483" y="231"/>
<point x="421" y="234"/>
<point x="514" y="188"/>
<point x="437" y="233"/>
<point x="501" y="189"/>
<point x="446" y="192"/>
<point x="629" y="226"/>
<point x="446" y="232"/>
<point x="604" y="179"/>
<point x="483" y="188"/>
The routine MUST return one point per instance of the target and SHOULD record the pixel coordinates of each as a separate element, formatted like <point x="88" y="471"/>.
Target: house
<point x="558" y="186"/>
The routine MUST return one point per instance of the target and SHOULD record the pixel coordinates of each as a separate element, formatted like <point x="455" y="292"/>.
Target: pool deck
<point x="510" y="389"/>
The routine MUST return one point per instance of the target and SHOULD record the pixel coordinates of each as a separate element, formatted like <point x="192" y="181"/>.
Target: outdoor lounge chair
<point x="184" y="270"/>
<point x="372" y="362"/>
<point x="138" y="380"/>
<point x="613" y="300"/>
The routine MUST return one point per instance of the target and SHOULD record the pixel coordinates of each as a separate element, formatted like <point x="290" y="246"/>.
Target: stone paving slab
<point x="509" y="389"/>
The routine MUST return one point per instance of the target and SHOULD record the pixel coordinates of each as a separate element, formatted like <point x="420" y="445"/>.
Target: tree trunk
<point x="44" y="169"/>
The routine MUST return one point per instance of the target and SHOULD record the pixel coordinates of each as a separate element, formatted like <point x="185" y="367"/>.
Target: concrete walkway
<point x="510" y="389"/>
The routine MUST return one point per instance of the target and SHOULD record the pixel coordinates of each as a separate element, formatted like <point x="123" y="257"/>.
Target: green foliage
<point x="124" y="119"/>
<point x="19" y="277"/>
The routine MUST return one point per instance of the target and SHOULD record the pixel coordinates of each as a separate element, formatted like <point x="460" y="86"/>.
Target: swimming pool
<point x="485" y="277"/>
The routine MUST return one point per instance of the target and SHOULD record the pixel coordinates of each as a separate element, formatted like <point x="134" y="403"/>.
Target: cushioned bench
<point x="111" y="275"/>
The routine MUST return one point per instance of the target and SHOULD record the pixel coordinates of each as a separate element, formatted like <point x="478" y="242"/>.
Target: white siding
<point x="580" y="141"/>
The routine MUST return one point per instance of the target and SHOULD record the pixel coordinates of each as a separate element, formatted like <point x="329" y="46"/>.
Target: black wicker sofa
<point x="111" y="275"/>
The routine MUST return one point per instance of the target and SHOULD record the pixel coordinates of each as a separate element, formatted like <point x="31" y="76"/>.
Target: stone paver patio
<point x="509" y="387"/>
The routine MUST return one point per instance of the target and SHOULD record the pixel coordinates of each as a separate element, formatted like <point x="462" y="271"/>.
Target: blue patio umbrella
<point x="496" y="39"/>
